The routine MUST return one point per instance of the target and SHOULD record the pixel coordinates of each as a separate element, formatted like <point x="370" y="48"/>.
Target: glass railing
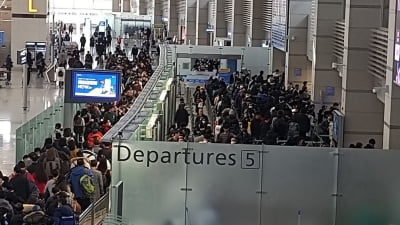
<point x="32" y="133"/>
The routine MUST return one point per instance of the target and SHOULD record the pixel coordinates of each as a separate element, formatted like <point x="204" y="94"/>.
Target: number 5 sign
<point x="250" y="159"/>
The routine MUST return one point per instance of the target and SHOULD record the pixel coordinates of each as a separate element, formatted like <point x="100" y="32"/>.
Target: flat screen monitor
<point x="92" y="86"/>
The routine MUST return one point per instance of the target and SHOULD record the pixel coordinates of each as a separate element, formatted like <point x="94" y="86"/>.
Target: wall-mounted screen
<point x="279" y="24"/>
<point x="102" y="26"/>
<point x="396" y="72"/>
<point x="85" y="86"/>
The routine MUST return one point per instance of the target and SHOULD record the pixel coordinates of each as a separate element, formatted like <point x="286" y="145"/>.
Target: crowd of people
<point x="255" y="109"/>
<point x="208" y="65"/>
<point x="56" y="182"/>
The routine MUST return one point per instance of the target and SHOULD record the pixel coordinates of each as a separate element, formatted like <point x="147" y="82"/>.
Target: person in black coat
<point x="91" y="44"/>
<point x="29" y="62"/>
<point x="20" y="184"/>
<point x="182" y="116"/>
<point x="304" y="122"/>
<point x="135" y="51"/>
<point x="83" y="42"/>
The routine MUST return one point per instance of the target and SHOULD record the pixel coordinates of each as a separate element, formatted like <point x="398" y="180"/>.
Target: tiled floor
<point x="12" y="115"/>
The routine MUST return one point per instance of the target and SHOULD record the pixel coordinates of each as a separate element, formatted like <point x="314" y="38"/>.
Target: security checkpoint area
<point x="158" y="182"/>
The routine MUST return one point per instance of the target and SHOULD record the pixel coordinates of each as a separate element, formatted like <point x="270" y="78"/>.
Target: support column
<point x="257" y="30"/>
<point x="157" y="11"/>
<point x="238" y="29"/>
<point x="190" y="24"/>
<point x="172" y="18"/>
<point x="298" y="67"/>
<point x="391" y="130"/>
<point x="363" y="111"/>
<point x="327" y="85"/>
<point x="202" y="21"/>
<point x="28" y="23"/>
<point x="220" y="24"/>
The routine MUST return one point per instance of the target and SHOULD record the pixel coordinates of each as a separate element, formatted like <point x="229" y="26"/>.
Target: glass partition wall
<point x="33" y="133"/>
<point x="187" y="183"/>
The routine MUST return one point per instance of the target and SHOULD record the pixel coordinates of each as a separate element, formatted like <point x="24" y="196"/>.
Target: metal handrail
<point x="96" y="210"/>
<point x="139" y="103"/>
<point x="115" y="220"/>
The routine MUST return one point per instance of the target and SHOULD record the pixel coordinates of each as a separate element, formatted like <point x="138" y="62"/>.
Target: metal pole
<point x="92" y="213"/>
<point x="299" y="214"/>
<point x="242" y="59"/>
<point x="53" y="41"/>
<point x="25" y="87"/>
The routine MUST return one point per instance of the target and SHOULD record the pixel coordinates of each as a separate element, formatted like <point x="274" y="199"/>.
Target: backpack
<point x="64" y="163"/>
<point x="49" y="166"/>
<point x="68" y="220"/>
<point x="78" y="122"/>
<point x="87" y="185"/>
<point x="294" y="130"/>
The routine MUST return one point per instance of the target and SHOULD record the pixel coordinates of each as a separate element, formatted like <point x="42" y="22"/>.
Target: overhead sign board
<point x="31" y="9"/>
<point x="22" y="56"/>
<point x="279" y="24"/>
<point x="210" y="28"/>
<point x="158" y="26"/>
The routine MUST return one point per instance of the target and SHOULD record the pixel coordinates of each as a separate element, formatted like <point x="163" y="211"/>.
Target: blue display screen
<point x="96" y="86"/>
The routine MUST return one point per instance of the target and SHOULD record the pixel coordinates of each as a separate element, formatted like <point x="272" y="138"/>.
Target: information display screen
<point x="102" y="26"/>
<point x="94" y="86"/>
<point x="396" y="71"/>
<point x="279" y="24"/>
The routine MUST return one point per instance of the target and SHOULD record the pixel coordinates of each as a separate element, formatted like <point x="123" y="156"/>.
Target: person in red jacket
<point x="40" y="179"/>
<point x="93" y="137"/>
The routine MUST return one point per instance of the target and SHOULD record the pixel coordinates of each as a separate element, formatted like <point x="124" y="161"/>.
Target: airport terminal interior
<point x="199" y="112"/>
